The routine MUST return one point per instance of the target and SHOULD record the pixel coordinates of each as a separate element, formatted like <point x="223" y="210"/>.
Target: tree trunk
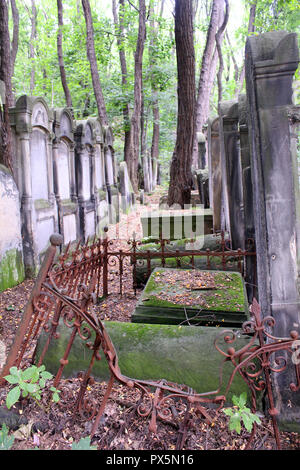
<point x="136" y="115"/>
<point x="207" y="72"/>
<point x="119" y="27"/>
<point x="33" y="18"/>
<point x="6" y="98"/>
<point x="219" y="35"/>
<point x="251" y="29"/>
<point x="180" y="172"/>
<point x="60" y="54"/>
<point x="15" y="38"/>
<point x="90" y="47"/>
<point x="155" y="105"/>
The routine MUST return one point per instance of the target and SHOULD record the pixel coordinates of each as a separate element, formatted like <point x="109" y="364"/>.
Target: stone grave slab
<point x="193" y="297"/>
<point x="183" y="355"/>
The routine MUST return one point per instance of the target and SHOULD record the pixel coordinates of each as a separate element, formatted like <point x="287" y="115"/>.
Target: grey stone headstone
<point x="271" y="61"/>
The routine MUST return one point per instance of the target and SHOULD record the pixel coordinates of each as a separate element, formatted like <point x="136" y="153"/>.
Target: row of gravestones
<point x="67" y="181"/>
<point x="254" y="185"/>
<point x="253" y="188"/>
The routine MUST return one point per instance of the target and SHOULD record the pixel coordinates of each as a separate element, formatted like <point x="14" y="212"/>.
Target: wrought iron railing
<point x="65" y="291"/>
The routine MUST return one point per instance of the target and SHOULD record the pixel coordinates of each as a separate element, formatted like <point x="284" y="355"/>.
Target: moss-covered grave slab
<point x="191" y="296"/>
<point x="185" y="355"/>
<point x="177" y="224"/>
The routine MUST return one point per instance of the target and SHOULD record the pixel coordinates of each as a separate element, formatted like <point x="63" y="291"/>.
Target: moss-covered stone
<point x="11" y="269"/>
<point x="182" y="355"/>
<point x="173" y="296"/>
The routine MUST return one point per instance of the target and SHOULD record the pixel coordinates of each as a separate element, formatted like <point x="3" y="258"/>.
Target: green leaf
<point x="83" y="444"/>
<point x="14" y="371"/>
<point x="55" y="397"/>
<point x="235" y="423"/>
<point x="5" y="441"/>
<point x="46" y="375"/>
<point x="42" y="383"/>
<point x="32" y="388"/>
<point x="12" y="379"/>
<point x="12" y="397"/>
<point x="248" y="421"/>
<point x="30" y="373"/>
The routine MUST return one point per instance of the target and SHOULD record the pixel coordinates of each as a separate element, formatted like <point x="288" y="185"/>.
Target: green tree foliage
<point x="271" y="14"/>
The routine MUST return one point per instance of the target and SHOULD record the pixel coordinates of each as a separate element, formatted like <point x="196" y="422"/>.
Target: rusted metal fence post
<point x="55" y="240"/>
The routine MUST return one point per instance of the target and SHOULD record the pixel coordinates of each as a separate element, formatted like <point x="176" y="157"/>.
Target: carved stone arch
<point x="64" y="124"/>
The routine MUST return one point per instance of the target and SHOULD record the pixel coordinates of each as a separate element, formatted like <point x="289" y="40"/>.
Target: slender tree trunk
<point x="60" y="54"/>
<point x="251" y="29"/>
<point x="208" y="68"/>
<point x="33" y="18"/>
<point x="180" y="172"/>
<point x="119" y="27"/>
<point x="15" y="38"/>
<point x="136" y="115"/>
<point x="155" y="104"/>
<point x="6" y="98"/>
<point x="90" y="47"/>
<point x="219" y="49"/>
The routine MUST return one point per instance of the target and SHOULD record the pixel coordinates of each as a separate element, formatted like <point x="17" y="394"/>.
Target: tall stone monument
<point x="232" y="180"/>
<point x="214" y="171"/>
<point x="32" y="123"/>
<point x="271" y="61"/>
<point x="250" y="268"/>
<point x="85" y="178"/>
<point x="64" y="175"/>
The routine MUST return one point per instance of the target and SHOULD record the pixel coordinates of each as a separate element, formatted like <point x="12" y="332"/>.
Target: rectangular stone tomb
<point x="193" y="297"/>
<point x="177" y="224"/>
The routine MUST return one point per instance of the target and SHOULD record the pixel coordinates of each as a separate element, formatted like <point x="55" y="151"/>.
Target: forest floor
<point x="121" y="428"/>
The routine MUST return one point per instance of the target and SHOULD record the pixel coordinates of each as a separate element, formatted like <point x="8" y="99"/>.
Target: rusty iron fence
<point x="67" y="289"/>
<point x="115" y="260"/>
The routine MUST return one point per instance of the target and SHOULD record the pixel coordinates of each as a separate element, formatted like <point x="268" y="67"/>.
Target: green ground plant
<point x="241" y="414"/>
<point x="29" y="383"/>
<point x="6" y="441"/>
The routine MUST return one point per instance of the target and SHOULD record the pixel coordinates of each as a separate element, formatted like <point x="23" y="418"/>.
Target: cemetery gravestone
<point x="271" y="61"/>
<point x="32" y="122"/>
<point x="215" y="172"/>
<point x="85" y="177"/>
<point x="101" y="195"/>
<point x="64" y="175"/>
<point x="11" y="249"/>
<point x="232" y="173"/>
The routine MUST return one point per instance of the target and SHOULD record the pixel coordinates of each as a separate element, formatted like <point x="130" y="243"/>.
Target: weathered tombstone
<point x="64" y="175"/>
<point x="11" y="250"/>
<point x="201" y="150"/>
<point x="271" y="61"/>
<point x="101" y="195"/>
<point x="32" y="122"/>
<point x="250" y="268"/>
<point x="232" y="173"/>
<point x="111" y="176"/>
<point x="215" y="173"/>
<point x="126" y="189"/>
<point x="202" y="179"/>
<point x="85" y="177"/>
